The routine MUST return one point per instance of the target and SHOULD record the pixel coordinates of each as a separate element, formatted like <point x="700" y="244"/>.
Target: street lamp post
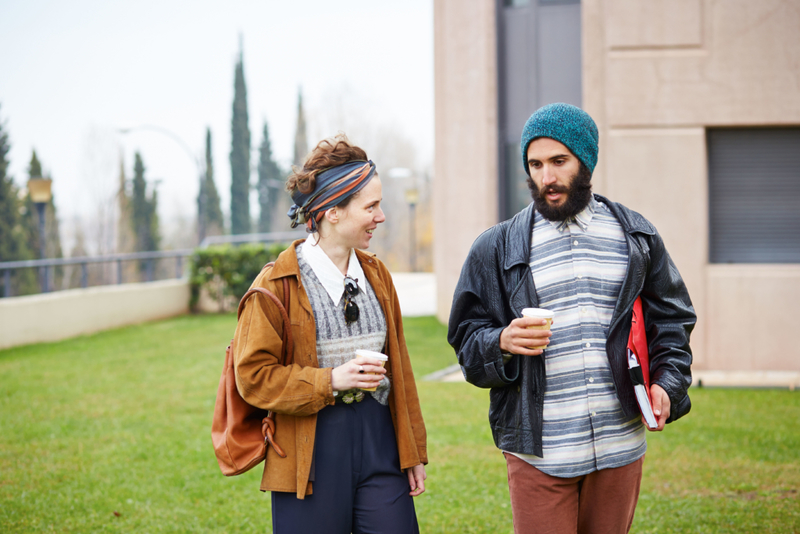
<point x="412" y="198"/>
<point x="41" y="193"/>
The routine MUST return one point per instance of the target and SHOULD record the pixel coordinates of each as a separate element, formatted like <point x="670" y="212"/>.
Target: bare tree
<point x="99" y="198"/>
<point x="343" y="109"/>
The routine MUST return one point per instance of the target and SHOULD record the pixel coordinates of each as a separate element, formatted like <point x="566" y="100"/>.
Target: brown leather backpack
<point x="240" y="432"/>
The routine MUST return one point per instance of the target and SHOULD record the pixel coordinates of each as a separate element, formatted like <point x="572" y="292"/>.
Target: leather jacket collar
<point x="518" y="238"/>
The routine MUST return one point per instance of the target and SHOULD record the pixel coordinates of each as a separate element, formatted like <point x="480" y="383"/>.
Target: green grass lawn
<point x="111" y="433"/>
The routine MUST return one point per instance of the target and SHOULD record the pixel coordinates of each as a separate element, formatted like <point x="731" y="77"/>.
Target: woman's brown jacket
<point x="298" y="391"/>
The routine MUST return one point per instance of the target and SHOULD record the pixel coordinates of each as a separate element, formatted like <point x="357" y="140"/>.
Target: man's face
<point x="560" y="184"/>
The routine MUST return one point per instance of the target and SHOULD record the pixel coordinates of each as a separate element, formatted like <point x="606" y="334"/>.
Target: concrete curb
<point x="443" y="375"/>
<point x="714" y="379"/>
<point x="746" y="379"/>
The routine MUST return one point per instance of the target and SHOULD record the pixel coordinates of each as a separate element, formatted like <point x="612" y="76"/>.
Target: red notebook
<point x="639" y="364"/>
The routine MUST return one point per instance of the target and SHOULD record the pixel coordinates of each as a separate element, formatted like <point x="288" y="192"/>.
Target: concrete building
<point x="698" y="106"/>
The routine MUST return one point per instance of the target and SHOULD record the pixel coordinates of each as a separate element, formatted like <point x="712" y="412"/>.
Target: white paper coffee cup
<point x="382" y="359"/>
<point x="539" y="313"/>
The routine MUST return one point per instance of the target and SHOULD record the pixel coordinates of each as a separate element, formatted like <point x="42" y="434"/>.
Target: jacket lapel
<point x="286" y="266"/>
<point x="370" y="267"/>
<point x="516" y="261"/>
<point x="518" y="239"/>
<point x="632" y="224"/>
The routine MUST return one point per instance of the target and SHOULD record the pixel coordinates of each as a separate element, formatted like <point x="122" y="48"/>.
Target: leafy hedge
<point x="226" y="271"/>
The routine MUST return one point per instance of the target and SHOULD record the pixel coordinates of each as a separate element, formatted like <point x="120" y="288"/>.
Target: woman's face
<point x="360" y="217"/>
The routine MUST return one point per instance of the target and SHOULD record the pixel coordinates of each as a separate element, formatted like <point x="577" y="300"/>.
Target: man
<point x="566" y="416"/>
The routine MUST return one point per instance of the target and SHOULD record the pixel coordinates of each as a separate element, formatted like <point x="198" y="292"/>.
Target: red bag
<point x="241" y="432"/>
<point x="637" y="343"/>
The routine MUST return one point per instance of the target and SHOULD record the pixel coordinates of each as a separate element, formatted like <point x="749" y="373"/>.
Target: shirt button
<point x="594" y="414"/>
<point x="591" y="379"/>
<point x="575" y="243"/>
<point x="588" y="345"/>
<point x="584" y="310"/>
<point x="580" y="276"/>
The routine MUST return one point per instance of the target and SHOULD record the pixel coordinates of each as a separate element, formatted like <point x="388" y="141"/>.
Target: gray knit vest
<point x="337" y="341"/>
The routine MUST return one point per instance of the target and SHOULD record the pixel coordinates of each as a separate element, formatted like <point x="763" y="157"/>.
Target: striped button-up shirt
<point x="578" y="266"/>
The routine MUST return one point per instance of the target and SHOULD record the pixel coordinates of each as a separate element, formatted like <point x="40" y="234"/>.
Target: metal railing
<point x="270" y="237"/>
<point x="49" y="265"/>
<point x="149" y="258"/>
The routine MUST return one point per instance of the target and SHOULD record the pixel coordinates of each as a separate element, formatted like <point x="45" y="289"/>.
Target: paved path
<point x="416" y="292"/>
<point x="722" y="379"/>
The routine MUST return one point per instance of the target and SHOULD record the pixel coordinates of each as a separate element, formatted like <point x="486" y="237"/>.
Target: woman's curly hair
<point x="328" y="153"/>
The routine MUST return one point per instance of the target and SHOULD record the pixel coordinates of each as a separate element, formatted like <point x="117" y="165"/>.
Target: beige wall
<point x="661" y="173"/>
<point x="65" y="314"/>
<point x="656" y="75"/>
<point x="766" y="339"/>
<point x="716" y="63"/>
<point x="465" y="189"/>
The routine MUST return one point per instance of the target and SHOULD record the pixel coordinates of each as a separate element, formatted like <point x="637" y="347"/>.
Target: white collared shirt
<point x="328" y="274"/>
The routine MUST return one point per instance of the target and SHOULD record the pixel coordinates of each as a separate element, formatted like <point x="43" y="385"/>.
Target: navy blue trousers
<point x="358" y="484"/>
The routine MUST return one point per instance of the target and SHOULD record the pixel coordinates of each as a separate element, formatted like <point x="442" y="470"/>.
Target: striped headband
<point x="332" y="187"/>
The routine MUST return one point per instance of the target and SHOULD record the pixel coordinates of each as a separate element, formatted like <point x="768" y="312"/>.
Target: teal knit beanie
<point x="568" y="125"/>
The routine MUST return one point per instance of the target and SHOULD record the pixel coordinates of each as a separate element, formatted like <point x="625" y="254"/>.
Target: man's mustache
<point x="555" y="189"/>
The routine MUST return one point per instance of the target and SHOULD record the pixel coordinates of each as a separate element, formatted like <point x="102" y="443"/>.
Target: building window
<point x="539" y="62"/>
<point x="754" y="195"/>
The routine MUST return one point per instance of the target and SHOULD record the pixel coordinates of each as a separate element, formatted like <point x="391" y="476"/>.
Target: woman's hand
<point x="416" y="479"/>
<point x="349" y="375"/>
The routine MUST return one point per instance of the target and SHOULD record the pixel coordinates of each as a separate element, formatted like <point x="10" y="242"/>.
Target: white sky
<point x="72" y="73"/>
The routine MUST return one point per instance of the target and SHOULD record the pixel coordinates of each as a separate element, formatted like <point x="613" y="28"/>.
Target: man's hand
<point x="517" y="338"/>
<point x="661" y="406"/>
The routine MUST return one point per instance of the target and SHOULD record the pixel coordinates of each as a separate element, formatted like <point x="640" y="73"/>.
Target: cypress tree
<point x="126" y="241"/>
<point x="139" y="205"/>
<point x="208" y="202"/>
<point x="30" y="213"/>
<point x="144" y="219"/>
<point x="35" y="166"/>
<point x="152" y="219"/>
<point x="300" y="139"/>
<point x="240" y="155"/>
<point x="12" y="232"/>
<point x="269" y="182"/>
<point x="126" y="236"/>
<point x="281" y="201"/>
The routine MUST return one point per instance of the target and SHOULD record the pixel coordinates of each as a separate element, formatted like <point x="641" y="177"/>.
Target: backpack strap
<point x="287" y="349"/>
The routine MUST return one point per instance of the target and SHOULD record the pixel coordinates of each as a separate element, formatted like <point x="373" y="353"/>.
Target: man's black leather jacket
<point x="496" y="284"/>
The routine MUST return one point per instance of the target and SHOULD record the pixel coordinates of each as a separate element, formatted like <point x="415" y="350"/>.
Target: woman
<point x="354" y="459"/>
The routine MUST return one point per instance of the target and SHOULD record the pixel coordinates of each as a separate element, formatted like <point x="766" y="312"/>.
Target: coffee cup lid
<point x="372" y="354"/>
<point x="538" y="312"/>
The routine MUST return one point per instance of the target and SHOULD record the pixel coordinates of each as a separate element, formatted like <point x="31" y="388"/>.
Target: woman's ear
<point x="332" y="215"/>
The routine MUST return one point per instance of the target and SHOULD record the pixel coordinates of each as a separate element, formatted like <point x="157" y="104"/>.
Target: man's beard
<point x="579" y="194"/>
